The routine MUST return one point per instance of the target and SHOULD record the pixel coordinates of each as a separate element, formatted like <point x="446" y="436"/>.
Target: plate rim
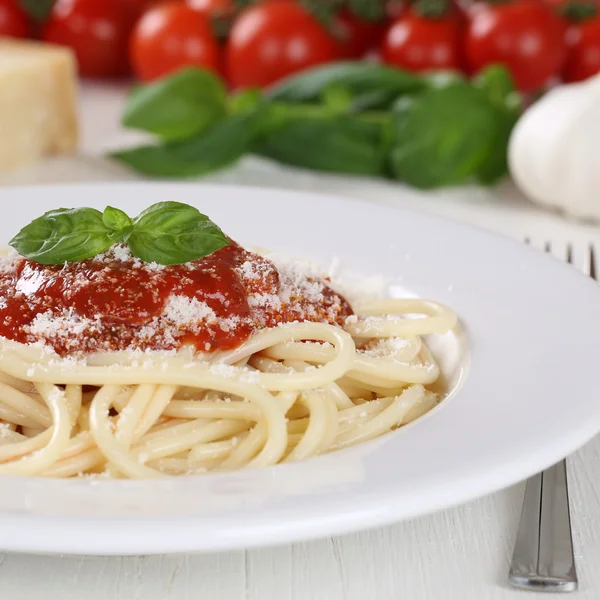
<point x="498" y="478"/>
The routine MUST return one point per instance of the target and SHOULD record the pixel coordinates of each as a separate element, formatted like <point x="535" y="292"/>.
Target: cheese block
<point x="38" y="102"/>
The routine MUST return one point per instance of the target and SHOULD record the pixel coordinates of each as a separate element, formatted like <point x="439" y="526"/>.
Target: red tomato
<point x="524" y="35"/>
<point x="583" y="50"/>
<point x="419" y="43"/>
<point x="13" y="20"/>
<point x="271" y="40"/>
<point x="96" y="31"/>
<point x="355" y="35"/>
<point x="169" y="37"/>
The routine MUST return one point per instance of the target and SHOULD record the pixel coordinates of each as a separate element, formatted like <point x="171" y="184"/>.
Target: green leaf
<point x="443" y="137"/>
<point x="337" y="99"/>
<point x="119" y="225"/>
<point x="166" y="233"/>
<point x="173" y="233"/>
<point x="179" y="106"/>
<point x="245" y="101"/>
<point x="497" y="84"/>
<point x="218" y="147"/>
<point x="495" y="165"/>
<point x="342" y="144"/>
<point x="370" y="86"/>
<point x="441" y="79"/>
<point x="38" y="10"/>
<point x="63" y="235"/>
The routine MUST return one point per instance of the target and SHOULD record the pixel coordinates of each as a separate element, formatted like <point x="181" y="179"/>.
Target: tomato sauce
<point x="116" y="302"/>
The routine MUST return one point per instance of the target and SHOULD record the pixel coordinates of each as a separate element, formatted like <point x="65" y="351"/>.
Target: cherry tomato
<point x="583" y="50"/>
<point x="420" y="43"/>
<point x="524" y="35"/>
<point x="355" y="35"/>
<point x="96" y="31"/>
<point x="14" y="21"/>
<point x="271" y="40"/>
<point x="169" y="37"/>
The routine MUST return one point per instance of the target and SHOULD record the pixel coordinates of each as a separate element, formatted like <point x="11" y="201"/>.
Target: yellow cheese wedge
<point x="38" y="102"/>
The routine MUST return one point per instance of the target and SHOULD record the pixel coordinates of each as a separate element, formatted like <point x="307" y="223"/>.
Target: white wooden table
<point x="461" y="554"/>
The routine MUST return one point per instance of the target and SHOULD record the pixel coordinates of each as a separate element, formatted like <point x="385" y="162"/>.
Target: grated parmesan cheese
<point x="183" y="311"/>
<point x="385" y="347"/>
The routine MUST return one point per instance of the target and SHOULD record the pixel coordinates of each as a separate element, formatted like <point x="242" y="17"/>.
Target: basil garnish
<point x="167" y="233"/>
<point x="63" y="235"/>
<point x="118" y="223"/>
<point x="172" y="233"/>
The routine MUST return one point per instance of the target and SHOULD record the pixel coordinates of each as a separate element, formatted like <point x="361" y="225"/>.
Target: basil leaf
<point x="179" y="106"/>
<point x="63" y="235"/>
<point x="118" y="223"/>
<point x="370" y="86"/>
<point x="219" y="147"/>
<point x="170" y="233"/>
<point x="337" y="99"/>
<point x="495" y="166"/>
<point x="497" y="84"/>
<point x="245" y="101"/>
<point x="340" y="144"/>
<point x="442" y="79"/>
<point x="443" y="136"/>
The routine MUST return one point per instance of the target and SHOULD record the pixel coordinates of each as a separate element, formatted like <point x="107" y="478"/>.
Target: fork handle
<point x="543" y="557"/>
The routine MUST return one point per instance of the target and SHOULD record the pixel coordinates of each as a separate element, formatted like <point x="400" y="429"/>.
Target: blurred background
<point x="429" y="94"/>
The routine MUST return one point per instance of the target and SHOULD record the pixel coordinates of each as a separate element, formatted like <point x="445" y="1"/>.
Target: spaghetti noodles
<point x="113" y="367"/>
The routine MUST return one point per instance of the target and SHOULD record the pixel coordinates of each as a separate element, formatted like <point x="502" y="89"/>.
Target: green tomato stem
<point x="432" y="9"/>
<point x="578" y="11"/>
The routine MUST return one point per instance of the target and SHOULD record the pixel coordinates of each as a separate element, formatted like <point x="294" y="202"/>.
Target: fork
<point x="543" y="558"/>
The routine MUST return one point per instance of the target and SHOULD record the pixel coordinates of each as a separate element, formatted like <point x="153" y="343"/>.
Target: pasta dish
<point x="117" y="366"/>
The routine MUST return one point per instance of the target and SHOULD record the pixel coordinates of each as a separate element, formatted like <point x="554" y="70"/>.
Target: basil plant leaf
<point x="442" y="137"/>
<point x="170" y="233"/>
<point x="340" y="144"/>
<point x="118" y="223"/>
<point x="179" y="106"/>
<point x="63" y="235"/>
<point x="220" y="146"/>
<point x="497" y="84"/>
<point x="370" y="86"/>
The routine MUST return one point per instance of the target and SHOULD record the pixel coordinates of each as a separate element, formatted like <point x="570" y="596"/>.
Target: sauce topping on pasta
<point x="117" y="302"/>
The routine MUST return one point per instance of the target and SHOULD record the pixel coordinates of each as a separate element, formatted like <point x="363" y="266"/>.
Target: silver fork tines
<point x="543" y="558"/>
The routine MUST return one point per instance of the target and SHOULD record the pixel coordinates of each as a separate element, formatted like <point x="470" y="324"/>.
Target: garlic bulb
<point x="554" y="150"/>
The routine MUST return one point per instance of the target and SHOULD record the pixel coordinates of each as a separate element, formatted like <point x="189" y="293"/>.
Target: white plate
<point x="529" y="397"/>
